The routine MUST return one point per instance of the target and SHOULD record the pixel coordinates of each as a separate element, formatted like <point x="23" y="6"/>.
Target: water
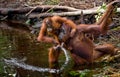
<point x="21" y="55"/>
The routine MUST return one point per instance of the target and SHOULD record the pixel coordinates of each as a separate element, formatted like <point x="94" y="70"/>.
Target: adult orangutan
<point x="56" y="30"/>
<point x="74" y="37"/>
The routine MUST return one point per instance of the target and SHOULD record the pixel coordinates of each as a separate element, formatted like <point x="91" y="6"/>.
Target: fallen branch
<point x="40" y="9"/>
<point x="45" y="10"/>
<point x="20" y="64"/>
<point x="78" y="12"/>
<point x="15" y="62"/>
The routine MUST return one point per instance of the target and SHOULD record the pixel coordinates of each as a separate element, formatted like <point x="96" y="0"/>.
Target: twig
<point x="30" y="11"/>
<point x="4" y="18"/>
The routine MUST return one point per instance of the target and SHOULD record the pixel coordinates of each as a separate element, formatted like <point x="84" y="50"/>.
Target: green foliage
<point x="101" y="8"/>
<point x="117" y="28"/>
<point x="85" y="73"/>
<point x="74" y="73"/>
<point x="28" y="22"/>
<point x="52" y="2"/>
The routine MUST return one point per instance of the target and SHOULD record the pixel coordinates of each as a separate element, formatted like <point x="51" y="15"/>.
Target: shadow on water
<point x="21" y="55"/>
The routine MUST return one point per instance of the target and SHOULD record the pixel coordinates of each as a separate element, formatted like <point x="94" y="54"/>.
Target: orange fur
<point x="100" y="27"/>
<point x="55" y="22"/>
<point x="59" y="29"/>
<point x="81" y="47"/>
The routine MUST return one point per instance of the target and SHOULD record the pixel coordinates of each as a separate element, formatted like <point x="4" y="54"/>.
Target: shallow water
<point x="21" y="55"/>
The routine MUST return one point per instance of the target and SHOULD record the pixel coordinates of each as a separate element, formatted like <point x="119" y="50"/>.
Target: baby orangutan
<point x="84" y="51"/>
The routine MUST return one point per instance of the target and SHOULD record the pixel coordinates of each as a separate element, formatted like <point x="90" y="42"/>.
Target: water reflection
<point x="18" y="44"/>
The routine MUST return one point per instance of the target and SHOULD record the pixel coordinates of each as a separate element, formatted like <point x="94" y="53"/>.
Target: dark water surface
<point x="20" y="54"/>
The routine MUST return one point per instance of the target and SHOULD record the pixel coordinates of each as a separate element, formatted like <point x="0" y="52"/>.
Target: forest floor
<point x="79" y="4"/>
<point x="113" y="35"/>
